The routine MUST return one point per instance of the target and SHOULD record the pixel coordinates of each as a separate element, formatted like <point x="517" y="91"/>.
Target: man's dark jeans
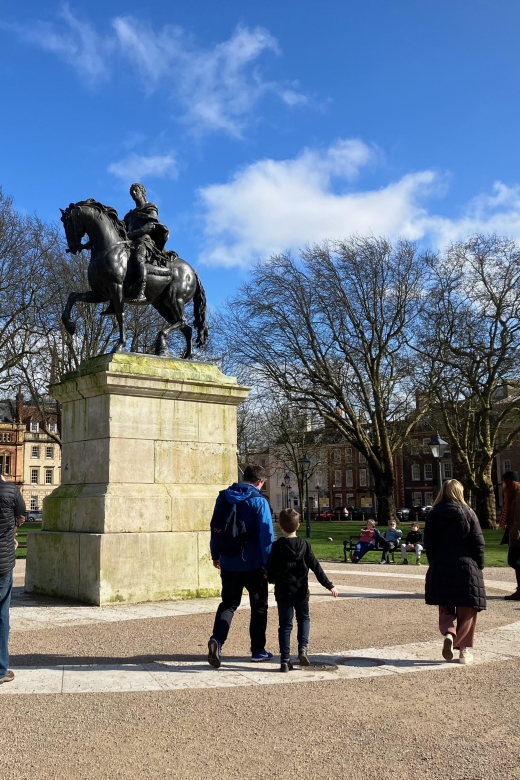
<point x="513" y="560"/>
<point x="285" y="624"/>
<point x="6" y="586"/>
<point x="233" y="584"/>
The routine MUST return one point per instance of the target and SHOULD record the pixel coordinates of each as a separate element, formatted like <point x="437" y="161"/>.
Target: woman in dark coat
<point x="510" y="521"/>
<point x="454" y="547"/>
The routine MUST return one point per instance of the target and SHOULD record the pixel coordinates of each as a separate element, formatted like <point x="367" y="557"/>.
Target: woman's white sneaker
<point x="465" y="656"/>
<point x="447" y="648"/>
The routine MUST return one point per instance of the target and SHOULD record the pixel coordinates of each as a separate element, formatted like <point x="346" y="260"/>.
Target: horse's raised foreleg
<point x="116" y="296"/>
<point x="74" y="297"/>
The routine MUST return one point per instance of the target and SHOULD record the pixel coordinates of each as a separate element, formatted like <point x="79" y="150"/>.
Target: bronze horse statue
<point x="113" y="279"/>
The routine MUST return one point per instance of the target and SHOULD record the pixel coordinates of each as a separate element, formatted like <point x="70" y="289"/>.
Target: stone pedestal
<point x="147" y="444"/>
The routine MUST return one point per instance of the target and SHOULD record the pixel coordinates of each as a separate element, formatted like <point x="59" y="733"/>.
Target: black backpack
<point x="229" y="533"/>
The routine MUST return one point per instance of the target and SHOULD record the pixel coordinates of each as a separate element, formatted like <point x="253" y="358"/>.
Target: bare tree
<point x="334" y="332"/>
<point x="471" y="350"/>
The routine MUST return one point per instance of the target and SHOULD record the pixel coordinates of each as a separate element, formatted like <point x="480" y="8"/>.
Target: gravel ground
<point x="459" y="724"/>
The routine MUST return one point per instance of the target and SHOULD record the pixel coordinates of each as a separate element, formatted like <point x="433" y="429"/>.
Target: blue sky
<point x="258" y="127"/>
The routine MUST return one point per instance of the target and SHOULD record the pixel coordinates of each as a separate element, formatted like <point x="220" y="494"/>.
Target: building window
<point x="349" y="478"/>
<point x="278" y="501"/>
<point x="49" y="452"/>
<point x="362" y="477"/>
<point x="318" y="479"/>
<point x="416" y="499"/>
<point x="48" y="476"/>
<point x="414" y="448"/>
<point x="34" y="476"/>
<point x="337" y="478"/>
<point x="35" y="452"/>
<point x="34" y="502"/>
<point x="428" y="499"/>
<point x="348" y="454"/>
<point x="337" y="456"/>
<point x="338" y="499"/>
<point x="361" y="458"/>
<point x="416" y="472"/>
<point x="507" y="465"/>
<point x="447" y="470"/>
<point x="34" y="427"/>
<point x="7" y="464"/>
<point x="53" y="427"/>
<point x="428" y="471"/>
<point x="425" y="447"/>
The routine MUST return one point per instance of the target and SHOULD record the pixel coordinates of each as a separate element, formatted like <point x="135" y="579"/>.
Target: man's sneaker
<point x="513" y="597"/>
<point x="382" y="562"/>
<point x="405" y="562"/>
<point x="286" y="666"/>
<point x="465" y="656"/>
<point x="214" y="652"/>
<point x="9" y="677"/>
<point x="447" y="648"/>
<point x="418" y="562"/>
<point x="302" y="657"/>
<point x="263" y="656"/>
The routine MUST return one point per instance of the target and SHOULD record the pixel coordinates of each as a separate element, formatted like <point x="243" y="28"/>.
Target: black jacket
<point x="12" y="506"/>
<point x="455" y="549"/>
<point x="414" y="537"/>
<point x="288" y="567"/>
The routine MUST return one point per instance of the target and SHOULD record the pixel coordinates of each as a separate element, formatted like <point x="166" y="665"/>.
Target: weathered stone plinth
<point x="147" y="444"/>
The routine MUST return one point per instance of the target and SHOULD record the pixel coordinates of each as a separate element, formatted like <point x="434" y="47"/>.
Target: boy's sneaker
<point x="382" y="562"/>
<point x="465" y="656"/>
<point x="447" y="648"/>
<point x="354" y="559"/>
<point x="418" y="562"/>
<point x="286" y="666"/>
<point x="405" y="562"/>
<point x="302" y="657"/>
<point x="214" y="652"/>
<point x="9" y="677"/>
<point x="263" y="656"/>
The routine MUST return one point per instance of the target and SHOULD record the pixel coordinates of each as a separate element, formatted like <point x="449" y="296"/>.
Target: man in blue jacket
<point x="247" y="569"/>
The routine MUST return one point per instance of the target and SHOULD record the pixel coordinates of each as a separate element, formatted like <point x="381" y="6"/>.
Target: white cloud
<point x="274" y="205"/>
<point x="77" y="42"/>
<point x="136" y="167"/>
<point x="217" y="88"/>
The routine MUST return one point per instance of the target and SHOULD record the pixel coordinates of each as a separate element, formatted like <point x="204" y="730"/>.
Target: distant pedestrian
<point x="241" y="555"/>
<point x="454" y="546"/>
<point x="510" y="521"/>
<point x="12" y="514"/>
<point x="413" y="542"/>
<point x="288" y="567"/>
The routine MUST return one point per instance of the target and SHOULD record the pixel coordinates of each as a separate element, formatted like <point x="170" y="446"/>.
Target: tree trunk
<point x="384" y="490"/>
<point x="486" y="509"/>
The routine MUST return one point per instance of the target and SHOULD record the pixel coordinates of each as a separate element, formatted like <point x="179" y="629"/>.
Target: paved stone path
<point x="30" y="614"/>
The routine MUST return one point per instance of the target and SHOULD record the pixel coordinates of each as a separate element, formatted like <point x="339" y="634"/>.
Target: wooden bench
<point x="350" y="545"/>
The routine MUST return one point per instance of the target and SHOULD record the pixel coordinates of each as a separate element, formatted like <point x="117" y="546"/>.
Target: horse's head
<point x="73" y="225"/>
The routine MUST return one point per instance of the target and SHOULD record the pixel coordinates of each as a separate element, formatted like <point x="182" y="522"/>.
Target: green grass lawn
<point x="496" y="555"/>
<point x="21" y="537"/>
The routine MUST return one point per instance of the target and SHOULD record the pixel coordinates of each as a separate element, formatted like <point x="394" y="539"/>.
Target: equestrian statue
<point x="129" y="264"/>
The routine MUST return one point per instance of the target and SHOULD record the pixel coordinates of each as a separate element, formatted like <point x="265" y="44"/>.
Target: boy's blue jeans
<point x="285" y="624"/>
<point x="6" y="586"/>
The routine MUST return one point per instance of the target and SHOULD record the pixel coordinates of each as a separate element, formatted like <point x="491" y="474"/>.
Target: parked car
<point x="418" y="513"/>
<point x="326" y="514"/>
<point x="402" y="513"/>
<point x="341" y="513"/>
<point x="33" y="516"/>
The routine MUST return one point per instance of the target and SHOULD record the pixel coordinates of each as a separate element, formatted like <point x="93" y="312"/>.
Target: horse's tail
<point x="199" y="310"/>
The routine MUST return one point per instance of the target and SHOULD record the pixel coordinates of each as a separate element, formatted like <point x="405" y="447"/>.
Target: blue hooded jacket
<point x="254" y="510"/>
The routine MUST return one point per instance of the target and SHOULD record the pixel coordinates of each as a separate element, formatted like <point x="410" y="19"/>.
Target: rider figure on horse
<point x="147" y="233"/>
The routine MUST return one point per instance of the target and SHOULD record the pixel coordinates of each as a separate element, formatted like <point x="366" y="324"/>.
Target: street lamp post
<point x="305" y="465"/>
<point x="438" y="447"/>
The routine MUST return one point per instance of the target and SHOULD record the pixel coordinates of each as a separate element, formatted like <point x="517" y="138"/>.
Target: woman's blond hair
<point x="451" y="490"/>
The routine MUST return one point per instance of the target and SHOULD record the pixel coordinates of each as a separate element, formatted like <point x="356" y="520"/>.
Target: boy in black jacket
<point x="288" y="567"/>
<point x="414" y="541"/>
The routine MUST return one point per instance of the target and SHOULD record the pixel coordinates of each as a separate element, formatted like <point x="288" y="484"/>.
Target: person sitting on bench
<point x="367" y="540"/>
<point x="389" y="540"/>
<point x="414" y="541"/>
